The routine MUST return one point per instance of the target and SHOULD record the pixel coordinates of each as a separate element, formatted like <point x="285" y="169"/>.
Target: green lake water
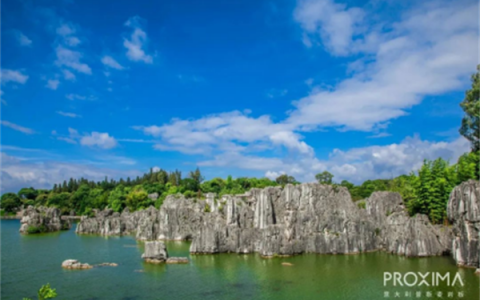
<point x="28" y="262"/>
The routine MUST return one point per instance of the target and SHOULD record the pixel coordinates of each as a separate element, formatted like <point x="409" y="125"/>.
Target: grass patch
<point x="36" y="229"/>
<point x="7" y="214"/>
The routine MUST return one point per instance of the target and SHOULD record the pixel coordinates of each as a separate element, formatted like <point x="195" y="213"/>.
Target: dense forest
<point x="425" y="191"/>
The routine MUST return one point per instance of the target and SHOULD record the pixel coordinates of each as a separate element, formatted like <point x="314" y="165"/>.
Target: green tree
<point x="471" y="107"/>
<point x="116" y="199"/>
<point x="197" y="176"/>
<point x="79" y="198"/>
<point x="28" y="193"/>
<point x="137" y="199"/>
<point x="10" y="202"/>
<point x="285" y="179"/>
<point x="61" y="200"/>
<point x="324" y="178"/>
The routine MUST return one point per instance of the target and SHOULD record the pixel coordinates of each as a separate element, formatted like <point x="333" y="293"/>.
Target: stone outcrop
<point x="155" y="252"/>
<point x="401" y="234"/>
<point x="463" y="211"/>
<point x="296" y="219"/>
<point x="75" y="264"/>
<point x="42" y="219"/>
<point x="177" y="260"/>
<point x="305" y="218"/>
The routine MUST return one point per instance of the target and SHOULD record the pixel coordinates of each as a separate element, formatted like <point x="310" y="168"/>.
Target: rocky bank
<point x="42" y="219"/>
<point x="306" y="218"/>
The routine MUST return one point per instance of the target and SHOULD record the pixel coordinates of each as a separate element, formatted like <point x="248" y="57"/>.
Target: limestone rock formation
<point x="463" y="211"/>
<point x="155" y="252"/>
<point x="401" y="234"/>
<point x="42" y="219"/>
<point x="296" y="219"/>
<point x="75" y="264"/>
<point x="305" y="218"/>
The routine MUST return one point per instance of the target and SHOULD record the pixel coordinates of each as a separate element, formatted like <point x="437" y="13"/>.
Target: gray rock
<point x="306" y="218"/>
<point x="75" y="264"/>
<point x="177" y="260"/>
<point x="414" y="236"/>
<point x="153" y="196"/>
<point x="400" y="234"/>
<point x="42" y="219"/>
<point x="155" y="252"/>
<point x="380" y="205"/>
<point x="463" y="211"/>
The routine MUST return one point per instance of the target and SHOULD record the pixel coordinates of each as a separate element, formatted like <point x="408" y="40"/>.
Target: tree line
<point x="425" y="191"/>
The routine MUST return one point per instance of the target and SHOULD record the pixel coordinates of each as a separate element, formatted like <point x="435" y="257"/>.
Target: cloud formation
<point x="15" y="76"/>
<point x="99" y="139"/>
<point x="137" y="43"/>
<point x="417" y="57"/>
<point x="22" y="39"/>
<point x="17" y="173"/>
<point x="17" y="127"/>
<point x="68" y="114"/>
<point x="111" y="62"/>
<point x="53" y="84"/>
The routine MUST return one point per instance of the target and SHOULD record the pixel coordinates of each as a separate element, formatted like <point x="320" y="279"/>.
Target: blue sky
<point x="363" y="89"/>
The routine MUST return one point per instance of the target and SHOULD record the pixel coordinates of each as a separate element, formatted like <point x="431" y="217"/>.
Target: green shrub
<point x="362" y="205"/>
<point x="36" y="229"/>
<point x="45" y="292"/>
<point x="207" y="208"/>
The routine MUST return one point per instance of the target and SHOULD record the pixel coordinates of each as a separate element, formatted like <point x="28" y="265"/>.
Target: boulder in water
<point x="155" y="252"/>
<point x="75" y="264"/>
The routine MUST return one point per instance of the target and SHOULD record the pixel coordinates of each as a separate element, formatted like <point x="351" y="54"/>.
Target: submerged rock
<point x="155" y="252"/>
<point x="42" y="219"/>
<point x="75" y="264"/>
<point x="177" y="260"/>
<point x="463" y="211"/>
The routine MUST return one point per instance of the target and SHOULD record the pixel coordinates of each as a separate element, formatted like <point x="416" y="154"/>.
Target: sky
<point x="362" y="89"/>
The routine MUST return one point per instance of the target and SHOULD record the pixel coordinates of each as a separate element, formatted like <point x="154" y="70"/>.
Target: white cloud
<point x="225" y="131"/>
<point x="355" y="165"/>
<point x="71" y="59"/>
<point x="53" y="84"/>
<point x="8" y="75"/>
<point x="418" y="57"/>
<point x="75" y="97"/>
<point x="111" y="62"/>
<point x="17" y="174"/>
<point x="68" y="75"/>
<point x="4" y="102"/>
<point x="22" y="39"/>
<point x="17" y="127"/>
<point x="67" y="139"/>
<point x="66" y="31"/>
<point x="392" y="160"/>
<point x="332" y="22"/>
<point x="98" y="139"/>
<point x="80" y="97"/>
<point x="67" y="114"/>
<point x="137" y="43"/>
<point x="72" y="41"/>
